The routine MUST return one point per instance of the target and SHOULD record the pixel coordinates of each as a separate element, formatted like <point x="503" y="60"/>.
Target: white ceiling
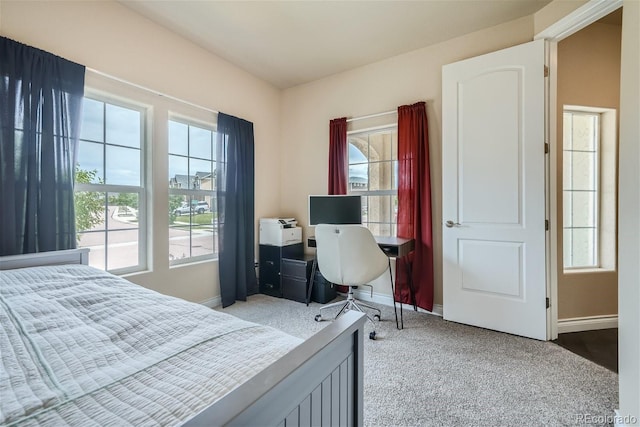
<point x="288" y="43"/>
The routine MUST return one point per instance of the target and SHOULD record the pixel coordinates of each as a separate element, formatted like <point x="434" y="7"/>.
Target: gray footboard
<point x="318" y="383"/>
<point x="70" y="256"/>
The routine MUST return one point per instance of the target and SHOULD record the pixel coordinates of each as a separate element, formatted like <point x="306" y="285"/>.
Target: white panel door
<point x="494" y="191"/>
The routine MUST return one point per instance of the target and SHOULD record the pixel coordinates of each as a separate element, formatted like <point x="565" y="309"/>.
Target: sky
<point x="111" y="135"/>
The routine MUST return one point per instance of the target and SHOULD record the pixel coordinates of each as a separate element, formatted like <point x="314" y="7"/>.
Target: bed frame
<point x="319" y="382"/>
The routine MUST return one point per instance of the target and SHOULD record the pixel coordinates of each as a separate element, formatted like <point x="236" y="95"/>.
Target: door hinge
<point x="546" y="225"/>
<point x="547" y="302"/>
<point x="546" y="71"/>
<point x="546" y="148"/>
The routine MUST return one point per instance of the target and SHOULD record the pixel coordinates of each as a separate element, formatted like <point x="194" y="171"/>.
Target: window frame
<point x="189" y="121"/>
<point x="141" y="190"/>
<point x="606" y="200"/>
<point x="595" y="229"/>
<point x="393" y="192"/>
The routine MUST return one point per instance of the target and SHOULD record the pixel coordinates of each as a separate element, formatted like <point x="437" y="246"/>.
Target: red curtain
<point x="414" y="207"/>
<point x="338" y="156"/>
<point x="338" y="162"/>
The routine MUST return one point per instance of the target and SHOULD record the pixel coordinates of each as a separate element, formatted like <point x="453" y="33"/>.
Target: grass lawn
<point x="204" y="221"/>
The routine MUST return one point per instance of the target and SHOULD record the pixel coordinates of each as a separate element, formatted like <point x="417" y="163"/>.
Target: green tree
<point x="174" y="203"/>
<point x="128" y="200"/>
<point x="89" y="205"/>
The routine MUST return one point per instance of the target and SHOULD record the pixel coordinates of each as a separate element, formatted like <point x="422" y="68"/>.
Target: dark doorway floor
<point x="600" y="346"/>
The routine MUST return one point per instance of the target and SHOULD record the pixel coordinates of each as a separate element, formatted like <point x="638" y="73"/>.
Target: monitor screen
<point x="335" y="210"/>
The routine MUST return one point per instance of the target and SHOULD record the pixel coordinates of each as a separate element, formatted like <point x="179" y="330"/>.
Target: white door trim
<point x="551" y="52"/>
<point x="583" y="16"/>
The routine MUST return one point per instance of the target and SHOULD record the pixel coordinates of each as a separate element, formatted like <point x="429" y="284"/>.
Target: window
<point x="109" y="189"/>
<point x="373" y="174"/>
<point x="589" y="187"/>
<point x="192" y="192"/>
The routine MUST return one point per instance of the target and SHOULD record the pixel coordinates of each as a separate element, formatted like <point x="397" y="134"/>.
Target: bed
<point x="83" y="347"/>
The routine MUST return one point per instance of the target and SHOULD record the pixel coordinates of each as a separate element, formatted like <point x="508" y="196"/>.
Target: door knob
<point x="451" y="223"/>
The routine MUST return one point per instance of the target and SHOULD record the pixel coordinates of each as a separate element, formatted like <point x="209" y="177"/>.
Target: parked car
<point x="182" y="210"/>
<point x="201" y="207"/>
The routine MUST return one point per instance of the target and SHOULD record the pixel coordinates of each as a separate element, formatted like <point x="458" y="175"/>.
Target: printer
<point x="279" y="231"/>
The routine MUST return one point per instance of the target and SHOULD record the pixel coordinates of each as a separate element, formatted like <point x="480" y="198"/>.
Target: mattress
<point x="79" y="346"/>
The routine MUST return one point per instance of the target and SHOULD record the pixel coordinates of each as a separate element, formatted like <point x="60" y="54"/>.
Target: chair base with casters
<point x="349" y="255"/>
<point x="353" y="304"/>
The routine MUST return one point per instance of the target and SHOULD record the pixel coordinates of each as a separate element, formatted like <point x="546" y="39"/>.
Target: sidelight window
<point x="589" y="163"/>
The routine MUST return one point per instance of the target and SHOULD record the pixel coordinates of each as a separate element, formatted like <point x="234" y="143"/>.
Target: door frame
<point x="583" y="16"/>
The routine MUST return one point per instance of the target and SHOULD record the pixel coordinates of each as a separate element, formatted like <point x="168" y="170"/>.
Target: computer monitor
<point x="345" y="209"/>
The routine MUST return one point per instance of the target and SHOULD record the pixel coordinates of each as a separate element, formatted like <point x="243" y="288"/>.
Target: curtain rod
<point x="154" y="92"/>
<point x="370" y="116"/>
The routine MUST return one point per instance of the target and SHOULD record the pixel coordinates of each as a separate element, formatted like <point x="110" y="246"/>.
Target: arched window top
<point x="373" y="174"/>
<point x="358" y="169"/>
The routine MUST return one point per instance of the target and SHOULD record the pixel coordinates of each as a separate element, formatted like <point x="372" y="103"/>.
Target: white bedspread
<point x="82" y="347"/>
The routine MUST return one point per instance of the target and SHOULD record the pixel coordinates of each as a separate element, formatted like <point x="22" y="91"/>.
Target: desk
<point x="393" y="247"/>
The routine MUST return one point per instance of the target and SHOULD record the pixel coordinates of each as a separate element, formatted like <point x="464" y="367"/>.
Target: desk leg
<point x="312" y="279"/>
<point x="393" y="295"/>
<point x="408" y="272"/>
<point x="412" y="293"/>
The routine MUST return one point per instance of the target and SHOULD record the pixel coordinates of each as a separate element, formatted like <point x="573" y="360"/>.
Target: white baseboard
<point x="212" y="302"/>
<point x="590" y="323"/>
<point x="386" y="299"/>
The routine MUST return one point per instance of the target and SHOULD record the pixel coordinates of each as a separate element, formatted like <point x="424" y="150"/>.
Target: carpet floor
<point x="439" y="373"/>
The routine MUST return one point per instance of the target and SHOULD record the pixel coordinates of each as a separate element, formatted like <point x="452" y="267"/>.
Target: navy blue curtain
<point x="235" y="206"/>
<point x="40" y="105"/>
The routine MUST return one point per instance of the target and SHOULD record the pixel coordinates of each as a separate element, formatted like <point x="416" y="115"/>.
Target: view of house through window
<point x="373" y="173"/>
<point x="589" y="164"/>
<point x="192" y="192"/>
<point x="109" y="197"/>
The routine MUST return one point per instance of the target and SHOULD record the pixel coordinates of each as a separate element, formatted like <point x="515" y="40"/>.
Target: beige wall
<point x="379" y="87"/>
<point x="553" y="12"/>
<point x="588" y="75"/>
<point x="110" y="38"/>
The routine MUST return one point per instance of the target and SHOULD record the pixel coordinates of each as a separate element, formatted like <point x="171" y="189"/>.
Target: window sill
<point x="192" y="261"/>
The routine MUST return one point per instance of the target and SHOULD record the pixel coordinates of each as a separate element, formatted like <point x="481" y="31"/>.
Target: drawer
<point x="297" y="268"/>
<point x="269" y="265"/>
<point x="292" y="251"/>
<point x="269" y="281"/>
<point x="270" y="287"/>
<point x="269" y="269"/>
<point x="294" y="289"/>
<point x="269" y="259"/>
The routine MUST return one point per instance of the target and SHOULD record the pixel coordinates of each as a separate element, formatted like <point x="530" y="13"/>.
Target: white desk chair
<point x="348" y="255"/>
